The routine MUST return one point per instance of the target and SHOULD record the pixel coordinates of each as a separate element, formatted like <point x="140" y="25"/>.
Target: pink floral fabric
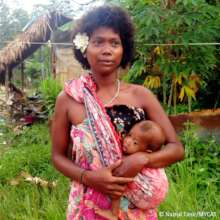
<point x="90" y="152"/>
<point x="149" y="188"/>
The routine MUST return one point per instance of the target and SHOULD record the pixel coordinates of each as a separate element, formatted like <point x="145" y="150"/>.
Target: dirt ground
<point x="208" y="122"/>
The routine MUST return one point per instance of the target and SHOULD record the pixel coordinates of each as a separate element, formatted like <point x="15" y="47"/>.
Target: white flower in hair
<point x="81" y="41"/>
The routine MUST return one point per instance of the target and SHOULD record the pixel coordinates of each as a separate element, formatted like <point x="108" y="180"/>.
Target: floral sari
<point x="97" y="144"/>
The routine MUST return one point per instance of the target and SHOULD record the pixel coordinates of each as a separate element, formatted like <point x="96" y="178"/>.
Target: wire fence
<point x="18" y="44"/>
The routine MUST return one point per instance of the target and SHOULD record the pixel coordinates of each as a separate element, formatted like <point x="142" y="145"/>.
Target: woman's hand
<point x="131" y="165"/>
<point x="103" y="181"/>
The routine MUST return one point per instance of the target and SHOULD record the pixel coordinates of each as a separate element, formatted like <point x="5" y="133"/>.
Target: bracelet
<point x="81" y="176"/>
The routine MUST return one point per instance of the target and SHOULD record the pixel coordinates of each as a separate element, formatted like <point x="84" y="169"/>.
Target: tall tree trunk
<point x="22" y="76"/>
<point x="174" y="96"/>
<point x="189" y="104"/>
<point x="164" y="91"/>
<point x="170" y="97"/>
<point x="217" y="100"/>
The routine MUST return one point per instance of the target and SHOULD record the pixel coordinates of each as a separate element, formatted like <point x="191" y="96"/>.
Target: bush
<point x="50" y="88"/>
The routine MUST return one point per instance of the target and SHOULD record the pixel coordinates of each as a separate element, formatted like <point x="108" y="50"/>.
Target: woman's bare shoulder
<point x="64" y="98"/>
<point x="135" y="95"/>
<point x="137" y="90"/>
<point x="68" y="106"/>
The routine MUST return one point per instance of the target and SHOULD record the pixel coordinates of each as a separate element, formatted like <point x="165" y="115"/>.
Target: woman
<point x="97" y="110"/>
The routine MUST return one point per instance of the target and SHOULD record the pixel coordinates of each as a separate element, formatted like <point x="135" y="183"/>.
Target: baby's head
<point x="144" y="136"/>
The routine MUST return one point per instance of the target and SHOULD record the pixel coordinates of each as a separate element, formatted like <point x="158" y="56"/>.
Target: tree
<point x="11" y="22"/>
<point x="166" y="31"/>
<point x="4" y="22"/>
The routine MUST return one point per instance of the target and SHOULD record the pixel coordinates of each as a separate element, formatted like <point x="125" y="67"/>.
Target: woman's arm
<point x="173" y="150"/>
<point x="60" y="139"/>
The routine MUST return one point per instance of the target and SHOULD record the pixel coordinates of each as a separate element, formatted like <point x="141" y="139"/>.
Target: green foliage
<point x="182" y="108"/>
<point x="37" y="66"/>
<point x="30" y="152"/>
<point x="11" y="22"/>
<point x="30" y="202"/>
<point x="194" y="182"/>
<point x="184" y="23"/>
<point x="50" y="88"/>
<point x="202" y="156"/>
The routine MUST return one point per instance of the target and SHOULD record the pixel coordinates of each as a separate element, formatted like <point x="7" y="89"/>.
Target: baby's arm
<point x="126" y="170"/>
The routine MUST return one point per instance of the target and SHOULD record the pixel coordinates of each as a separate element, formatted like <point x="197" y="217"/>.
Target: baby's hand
<point x="131" y="165"/>
<point x="103" y="181"/>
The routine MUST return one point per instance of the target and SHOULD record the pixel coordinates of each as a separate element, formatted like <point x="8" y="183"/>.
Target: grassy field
<point x="194" y="183"/>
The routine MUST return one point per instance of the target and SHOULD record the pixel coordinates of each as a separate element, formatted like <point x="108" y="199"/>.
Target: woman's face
<point x="104" y="52"/>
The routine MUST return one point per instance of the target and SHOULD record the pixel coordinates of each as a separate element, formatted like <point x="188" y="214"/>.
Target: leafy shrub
<point x="182" y="69"/>
<point x="202" y="154"/>
<point x="50" y="88"/>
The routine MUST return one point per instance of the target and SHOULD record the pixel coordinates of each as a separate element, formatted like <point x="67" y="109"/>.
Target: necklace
<point x="115" y="96"/>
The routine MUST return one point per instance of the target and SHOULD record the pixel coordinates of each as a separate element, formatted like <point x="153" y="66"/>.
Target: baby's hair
<point x="146" y="125"/>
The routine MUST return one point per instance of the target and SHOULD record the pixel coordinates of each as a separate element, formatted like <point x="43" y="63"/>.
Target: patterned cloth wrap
<point x="97" y="144"/>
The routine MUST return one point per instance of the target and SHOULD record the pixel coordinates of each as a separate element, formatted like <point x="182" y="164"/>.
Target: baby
<point x="145" y="136"/>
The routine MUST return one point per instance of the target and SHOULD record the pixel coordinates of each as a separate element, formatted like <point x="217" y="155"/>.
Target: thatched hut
<point x="28" y="42"/>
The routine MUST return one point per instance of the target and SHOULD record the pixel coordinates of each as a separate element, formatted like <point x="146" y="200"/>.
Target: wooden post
<point x="53" y="62"/>
<point x="6" y="83"/>
<point x="7" y="92"/>
<point x="22" y="76"/>
<point x="42" y="62"/>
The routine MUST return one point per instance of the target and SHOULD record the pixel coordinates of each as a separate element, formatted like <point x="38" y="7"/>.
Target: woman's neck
<point x="108" y="87"/>
<point x="105" y="80"/>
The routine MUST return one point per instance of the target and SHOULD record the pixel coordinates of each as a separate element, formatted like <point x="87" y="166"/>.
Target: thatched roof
<point x="27" y="42"/>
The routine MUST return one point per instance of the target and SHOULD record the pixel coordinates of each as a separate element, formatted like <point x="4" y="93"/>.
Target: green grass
<point x="194" y="182"/>
<point x="28" y="201"/>
<point x="30" y="152"/>
<point x="186" y="196"/>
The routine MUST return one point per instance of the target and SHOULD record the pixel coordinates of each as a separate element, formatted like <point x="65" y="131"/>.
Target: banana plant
<point x="190" y="86"/>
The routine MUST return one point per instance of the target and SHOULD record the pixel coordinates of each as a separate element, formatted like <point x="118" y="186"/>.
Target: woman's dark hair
<point x="112" y="17"/>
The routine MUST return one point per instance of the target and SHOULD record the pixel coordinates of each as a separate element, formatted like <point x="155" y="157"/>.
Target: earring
<point x="84" y="55"/>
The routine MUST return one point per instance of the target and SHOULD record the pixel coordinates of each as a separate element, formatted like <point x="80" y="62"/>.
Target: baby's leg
<point x="115" y="206"/>
<point x="108" y="214"/>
